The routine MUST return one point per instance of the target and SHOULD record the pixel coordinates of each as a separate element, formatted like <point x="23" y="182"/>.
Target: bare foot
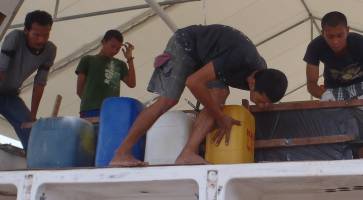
<point x="190" y="158"/>
<point x="126" y="160"/>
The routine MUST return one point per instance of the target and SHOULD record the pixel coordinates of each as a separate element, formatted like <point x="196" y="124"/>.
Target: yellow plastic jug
<point x="241" y="144"/>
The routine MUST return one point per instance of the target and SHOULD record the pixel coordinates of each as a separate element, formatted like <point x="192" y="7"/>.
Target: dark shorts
<point x="169" y="79"/>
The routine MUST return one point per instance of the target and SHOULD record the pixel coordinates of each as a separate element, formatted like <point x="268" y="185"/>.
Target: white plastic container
<point x="167" y="137"/>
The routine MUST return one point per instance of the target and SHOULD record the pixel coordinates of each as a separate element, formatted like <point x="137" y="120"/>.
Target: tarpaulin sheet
<point x="307" y="123"/>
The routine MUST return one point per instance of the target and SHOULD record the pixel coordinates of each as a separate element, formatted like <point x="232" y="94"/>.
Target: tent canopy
<point x="281" y="29"/>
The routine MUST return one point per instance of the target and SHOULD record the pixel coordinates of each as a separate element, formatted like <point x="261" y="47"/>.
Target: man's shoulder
<point x="89" y="57"/>
<point x="51" y="47"/>
<point x="16" y="37"/>
<point x="355" y="43"/>
<point x="16" y="33"/>
<point x="318" y="45"/>
<point x="355" y="37"/>
<point x="318" y="41"/>
<point x="189" y="28"/>
<point x="119" y="61"/>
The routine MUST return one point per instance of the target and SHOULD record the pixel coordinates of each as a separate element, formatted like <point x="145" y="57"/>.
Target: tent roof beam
<point x="105" y="12"/>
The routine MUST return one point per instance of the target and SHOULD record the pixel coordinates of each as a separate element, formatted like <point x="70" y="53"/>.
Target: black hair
<point x="272" y="83"/>
<point x="113" y="34"/>
<point x="334" y="19"/>
<point x="38" y="16"/>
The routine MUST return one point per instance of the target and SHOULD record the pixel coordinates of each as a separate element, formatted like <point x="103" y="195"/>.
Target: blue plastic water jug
<point x="61" y="142"/>
<point x="117" y="117"/>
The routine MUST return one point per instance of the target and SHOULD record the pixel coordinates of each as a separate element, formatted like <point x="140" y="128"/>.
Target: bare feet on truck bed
<point x="190" y="158"/>
<point x="126" y="160"/>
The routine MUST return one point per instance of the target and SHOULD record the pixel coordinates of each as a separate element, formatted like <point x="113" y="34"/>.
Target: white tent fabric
<point x="280" y="28"/>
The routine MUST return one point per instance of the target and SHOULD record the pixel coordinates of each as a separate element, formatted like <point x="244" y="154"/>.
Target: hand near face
<point x="127" y="49"/>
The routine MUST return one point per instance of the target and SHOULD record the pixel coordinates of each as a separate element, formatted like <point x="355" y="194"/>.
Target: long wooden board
<point x="290" y="142"/>
<point x="307" y="105"/>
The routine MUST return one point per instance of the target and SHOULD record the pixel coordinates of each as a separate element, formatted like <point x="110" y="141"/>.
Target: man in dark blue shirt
<point x="206" y="59"/>
<point x="342" y="54"/>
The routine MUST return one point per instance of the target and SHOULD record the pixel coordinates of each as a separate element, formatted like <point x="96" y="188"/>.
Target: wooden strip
<point x="55" y="112"/>
<point x="307" y="105"/>
<point x="56" y="106"/>
<point x="285" y="142"/>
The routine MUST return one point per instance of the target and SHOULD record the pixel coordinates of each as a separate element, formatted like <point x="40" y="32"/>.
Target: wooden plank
<point x="290" y="142"/>
<point x="55" y="112"/>
<point x="308" y="105"/>
<point x="56" y="106"/>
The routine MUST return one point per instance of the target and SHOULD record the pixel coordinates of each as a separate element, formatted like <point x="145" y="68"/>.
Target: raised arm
<point x="130" y="78"/>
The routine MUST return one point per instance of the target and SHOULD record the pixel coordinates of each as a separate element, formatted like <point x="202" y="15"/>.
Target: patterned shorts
<point x="354" y="91"/>
<point x="168" y="80"/>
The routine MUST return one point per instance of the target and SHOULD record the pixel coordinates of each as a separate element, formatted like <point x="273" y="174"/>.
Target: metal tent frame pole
<point x="160" y="12"/>
<point x="307" y="9"/>
<point x="282" y="32"/>
<point x="105" y="12"/>
<point x="56" y="8"/>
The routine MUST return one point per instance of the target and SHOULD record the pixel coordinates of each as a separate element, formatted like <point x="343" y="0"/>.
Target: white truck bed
<point x="317" y="180"/>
